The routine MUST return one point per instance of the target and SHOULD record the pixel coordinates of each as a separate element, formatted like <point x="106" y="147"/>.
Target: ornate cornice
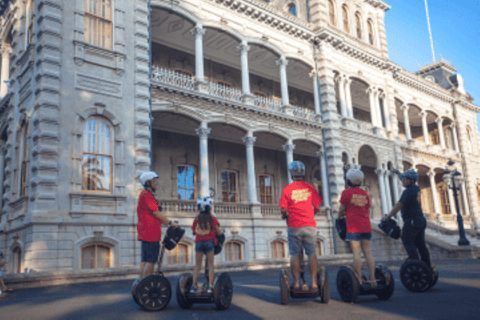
<point x="379" y="4"/>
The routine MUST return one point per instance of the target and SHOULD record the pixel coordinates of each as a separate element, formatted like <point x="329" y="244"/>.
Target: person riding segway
<point x="209" y="242"/>
<point x="299" y="202"/>
<point x="149" y="231"/>
<point x="354" y="205"/>
<point x="418" y="274"/>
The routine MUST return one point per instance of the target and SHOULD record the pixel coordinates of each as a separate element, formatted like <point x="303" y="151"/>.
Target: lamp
<point x="453" y="179"/>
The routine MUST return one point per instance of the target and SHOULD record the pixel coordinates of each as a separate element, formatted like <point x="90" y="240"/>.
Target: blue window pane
<point x="181" y="195"/>
<point x="104" y="137"/>
<point x="190" y="195"/>
<point x="268" y="182"/>
<point x="293" y="10"/>
<point x="181" y="177"/>
<point x="103" y="173"/>
<point x="190" y="177"/>
<point x="90" y="136"/>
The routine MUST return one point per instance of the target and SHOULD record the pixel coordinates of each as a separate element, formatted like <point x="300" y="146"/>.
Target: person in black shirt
<point x="414" y="223"/>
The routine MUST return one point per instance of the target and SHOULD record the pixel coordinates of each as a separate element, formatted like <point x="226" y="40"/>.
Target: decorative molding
<point x="85" y="52"/>
<point x="98" y="85"/>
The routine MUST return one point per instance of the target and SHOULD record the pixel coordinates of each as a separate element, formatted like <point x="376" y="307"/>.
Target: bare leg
<point x="295" y="266"/>
<point x="4" y="287"/>
<point x="313" y="264"/>
<point x="357" y="259"/>
<point x="211" y="271"/>
<point x="148" y="269"/>
<point x="198" y="266"/>
<point x="142" y="268"/>
<point x="370" y="262"/>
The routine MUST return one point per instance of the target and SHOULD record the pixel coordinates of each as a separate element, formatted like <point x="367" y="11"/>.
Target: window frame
<point x="89" y="15"/>
<point x="371" y="32"/>
<point x="23" y="161"/>
<point x="276" y="255"/>
<point x="231" y="242"/>
<point x="228" y="180"/>
<point x="289" y="8"/>
<point x="260" y="176"/>
<point x="331" y="13"/>
<point x="96" y="244"/>
<point x="175" y="252"/>
<point x="112" y="146"/>
<point x="358" y="22"/>
<point x="345" y="19"/>
<point x="194" y="181"/>
<point x="17" y="260"/>
<point x="319" y="244"/>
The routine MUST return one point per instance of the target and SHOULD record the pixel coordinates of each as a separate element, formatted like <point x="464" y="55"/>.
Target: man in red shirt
<point x="149" y="225"/>
<point x="354" y="205"/>
<point x="300" y="201"/>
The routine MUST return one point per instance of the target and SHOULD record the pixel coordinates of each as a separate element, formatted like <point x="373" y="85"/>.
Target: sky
<point x="455" y="28"/>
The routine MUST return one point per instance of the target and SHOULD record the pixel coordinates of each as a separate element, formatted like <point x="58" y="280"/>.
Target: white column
<point x="282" y="63"/>
<point x="341" y="93"/>
<point x="6" y="51"/>
<point x="203" y="133"/>
<point x="396" y="194"/>
<point x="386" y="113"/>
<point x="198" y="32"/>
<point x="451" y="200"/>
<point x="380" y="173"/>
<point x="455" y="140"/>
<point x="387" y="191"/>
<point x="243" y="49"/>
<point x="252" y="185"/>
<point x="406" y="122"/>
<point x="371" y="98"/>
<point x="348" y="97"/>
<point x="440" y="132"/>
<point x="377" y="108"/>
<point x="316" y="98"/>
<point x="433" y="187"/>
<point x="323" y="171"/>
<point x="465" y="199"/>
<point x="289" y="147"/>
<point x="423" y="114"/>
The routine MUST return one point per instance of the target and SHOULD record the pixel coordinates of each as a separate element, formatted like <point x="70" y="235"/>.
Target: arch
<point x="266" y="44"/>
<point x="113" y="243"/>
<point x="193" y="114"/>
<point x="301" y="136"/>
<point x="278" y="238"/>
<point x="275" y="130"/>
<point x="368" y="148"/>
<point x="292" y="8"/>
<point x="348" y="155"/>
<point x="300" y="58"/>
<point x="361" y="79"/>
<point x="215" y="24"/>
<point x="178" y="8"/>
<point x="99" y="110"/>
<point x="227" y="120"/>
<point x="242" y="249"/>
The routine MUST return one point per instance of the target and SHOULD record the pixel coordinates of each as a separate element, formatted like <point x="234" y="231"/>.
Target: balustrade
<point x="267" y="103"/>
<point x="225" y="92"/>
<point x="172" y="77"/>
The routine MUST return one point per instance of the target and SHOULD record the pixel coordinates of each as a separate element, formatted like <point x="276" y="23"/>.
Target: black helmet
<point x="173" y="237"/>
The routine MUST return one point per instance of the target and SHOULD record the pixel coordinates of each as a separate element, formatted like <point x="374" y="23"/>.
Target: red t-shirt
<point x="298" y="198"/>
<point x="149" y="228"/>
<point x="205" y="235"/>
<point x="356" y="202"/>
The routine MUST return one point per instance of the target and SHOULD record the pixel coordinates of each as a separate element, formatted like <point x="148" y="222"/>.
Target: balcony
<point x="163" y="77"/>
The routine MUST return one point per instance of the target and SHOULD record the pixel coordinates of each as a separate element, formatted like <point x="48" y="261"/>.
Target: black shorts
<point x="150" y="251"/>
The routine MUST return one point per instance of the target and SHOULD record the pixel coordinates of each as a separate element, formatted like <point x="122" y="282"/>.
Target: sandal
<point x="296" y="287"/>
<point x="210" y="289"/>
<point x="314" y="287"/>
<point x="193" y="289"/>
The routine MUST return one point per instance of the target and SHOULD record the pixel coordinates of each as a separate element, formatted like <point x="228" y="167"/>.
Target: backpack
<point x="391" y="228"/>
<point x="220" y="242"/>
<point x="173" y="237"/>
<point x="341" y="225"/>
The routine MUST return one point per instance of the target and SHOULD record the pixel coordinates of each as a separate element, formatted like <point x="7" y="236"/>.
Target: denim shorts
<point x="150" y="251"/>
<point x="305" y="237"/>
<point x="204" y="246"/>
<point x="358" y="236"/>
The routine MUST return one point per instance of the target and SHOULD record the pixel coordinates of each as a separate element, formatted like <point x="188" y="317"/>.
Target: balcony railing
<point x="174" y="78"/>
<point x="232" y="209"/>
<point x="225" y="92"/>
<point x="303" y="113"/>
<point x="267" y="103"/>
<point x="271" y="210"/>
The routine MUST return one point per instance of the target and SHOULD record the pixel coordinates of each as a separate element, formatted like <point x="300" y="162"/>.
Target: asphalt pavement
<point x="257" y="296"/>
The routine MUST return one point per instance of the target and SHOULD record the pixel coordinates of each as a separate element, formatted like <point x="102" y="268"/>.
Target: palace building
<point x="217" y="97"/>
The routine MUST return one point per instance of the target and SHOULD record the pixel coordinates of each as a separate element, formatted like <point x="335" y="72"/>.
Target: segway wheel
<point x="385" y="277"/>
<point x="284" y="287"/>
<point x="435" y="276"/>
<point x="223" y="291"/>
<point x="134" y="289"/>
<point x="348" y="286"/>
<point x="183" y="287"/>
<point x="323" y="285"/>
<point x="416" y="276"/>
<point x="154" y="293"/>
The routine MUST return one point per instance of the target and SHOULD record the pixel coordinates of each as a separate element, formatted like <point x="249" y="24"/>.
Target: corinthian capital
<point x="243" y="48"/>
<point x="203" y="132"/>
<point x="289" y="147"/>
<point x="249" y="141"/>
<point x="6" y="50"/>
<point x="198" y="32"/>
<point x="282" y="62"/>
<point x="380" y="172"/>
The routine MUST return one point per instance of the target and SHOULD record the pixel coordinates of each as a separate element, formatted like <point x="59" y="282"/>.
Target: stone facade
<point x="227" y="91"/>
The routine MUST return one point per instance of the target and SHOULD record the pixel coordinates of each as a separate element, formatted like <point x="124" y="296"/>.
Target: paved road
<point x="256" y="296"/>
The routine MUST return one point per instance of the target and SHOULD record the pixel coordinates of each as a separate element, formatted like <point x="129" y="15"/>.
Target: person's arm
<point x="341" y="213"/>
<point x="394" y="211"/>
<point x="218" y="230"/>
<point x="164" y="219"/>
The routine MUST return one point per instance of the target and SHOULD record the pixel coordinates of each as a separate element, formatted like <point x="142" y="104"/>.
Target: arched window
<point x="346" y="27"/>
<point x="331" y="12"/>
<point x="17" y="260"/>
<point x="179" y="255"/>
<point x="319" y="248"/>
<point x="97" y="156"/>
<point x="186" y="182"/>
<point x="96" y="256"/>
<point x="233" y="251"/>
<point x="292" y="9"/>
<point x="358" y="21"/>
<point x="469" y="140"/>
<point x="370" y="31"/>
<point x="99" y="23"/>
<point x="23" y="157"/>
<point x="278" y="249"/>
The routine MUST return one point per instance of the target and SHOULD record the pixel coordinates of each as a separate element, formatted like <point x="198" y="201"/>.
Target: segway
<point x="304" y="292"/>
<point x="154" y="292"/>
<point x="348" y="285"/>
<point x="417" y="276"/>
<point x="222" y="287"/>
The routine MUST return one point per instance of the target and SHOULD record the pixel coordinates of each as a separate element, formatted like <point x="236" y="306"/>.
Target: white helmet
<point x="203" y="203"/>
<point x="355" y="176"/>
<point x="147" y="176"/>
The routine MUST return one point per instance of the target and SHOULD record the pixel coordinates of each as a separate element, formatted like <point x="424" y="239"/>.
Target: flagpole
<point x="430" y="31"/>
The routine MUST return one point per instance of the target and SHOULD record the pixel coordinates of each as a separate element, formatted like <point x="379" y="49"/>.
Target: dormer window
<point x="292" y="9"/>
